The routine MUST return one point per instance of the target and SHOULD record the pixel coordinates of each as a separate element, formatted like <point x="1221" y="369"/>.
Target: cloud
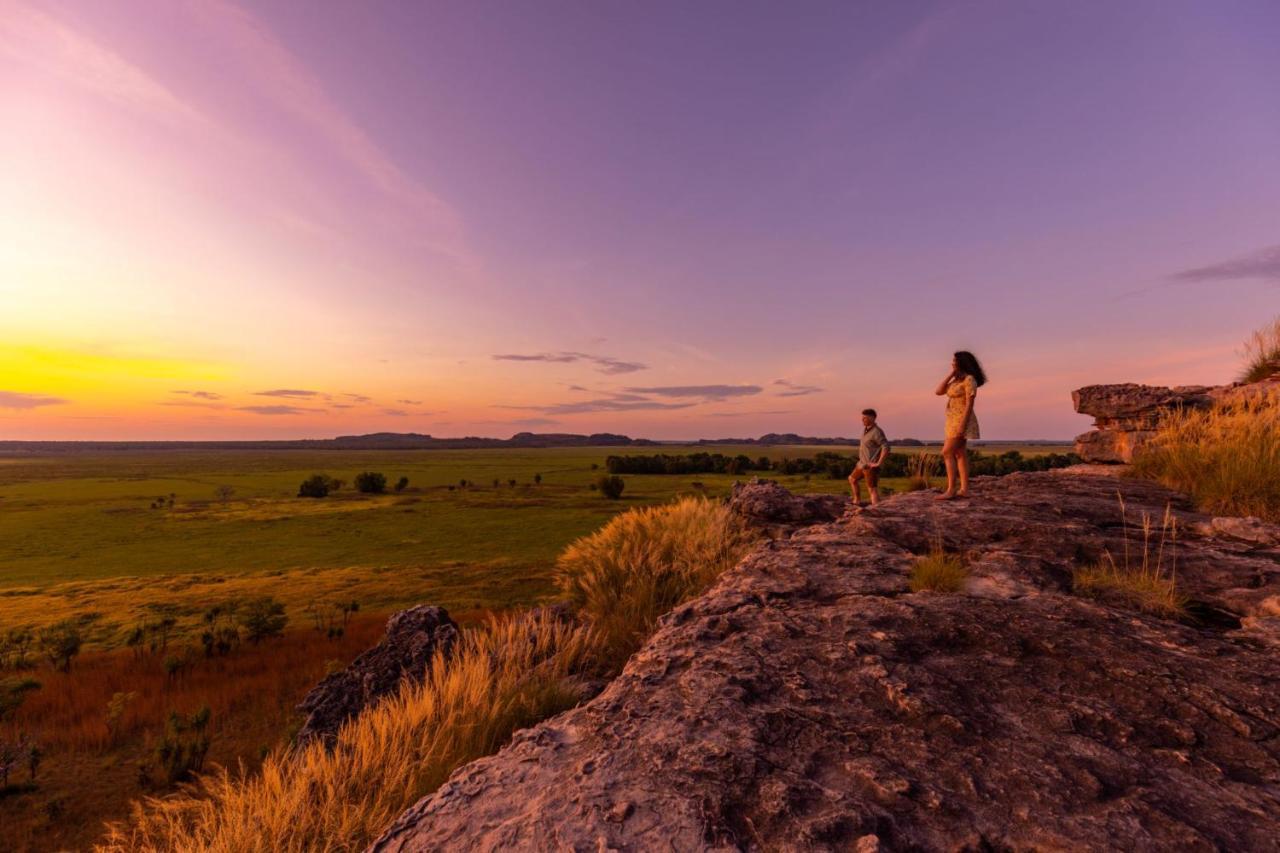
<point x="359" y="398"/>
<point x="794" y="390"/>
<point x="610" y="404"/>
<point x="343" y="406"/>
<point x="278" y="410"/>
<point x="751" y="412"/>
<point x="707" y="392"/>
<point x="1263" y="264"/>
<point x="410" y="402"/>
<point x="200" y="395"/>
<point x="604" y="364"/>
<point x="291" y="393"/>
<point x="396" y="413"/>
<point x="18" y="400"/>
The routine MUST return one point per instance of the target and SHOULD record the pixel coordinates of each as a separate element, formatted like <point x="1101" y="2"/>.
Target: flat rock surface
<point x="810" y="701"/>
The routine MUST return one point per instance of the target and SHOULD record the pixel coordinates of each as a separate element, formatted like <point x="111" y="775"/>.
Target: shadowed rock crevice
<point x="809" y="701"/>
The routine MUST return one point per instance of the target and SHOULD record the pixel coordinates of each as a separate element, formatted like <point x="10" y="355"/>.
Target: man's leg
<point x="873" y="484"/>
<point x="854" y="478"/>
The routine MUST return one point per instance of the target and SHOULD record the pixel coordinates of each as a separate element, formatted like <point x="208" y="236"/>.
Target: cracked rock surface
<point x="810" y="701"/>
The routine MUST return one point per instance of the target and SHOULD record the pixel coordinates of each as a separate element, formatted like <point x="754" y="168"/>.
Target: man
<point x="872" y="451"/>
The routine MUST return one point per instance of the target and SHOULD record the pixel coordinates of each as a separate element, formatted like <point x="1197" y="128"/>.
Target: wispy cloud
<point x="287" y="82"/>
<point x="604" y="364"/>
<point x="396" y="413"/>
<point x="358" y="398"/>
<point x="279" y="410"/>
<point x="1263" y="264"/>
<point x="751" y="412"/>
<point x="291" y="393"/>
<point x="200" y="395"/>
<point x="706" y="392"/>
<point x="607" y="404"/>
<point x="410" y="402"/>
<point x="795" y="390"/>
<point x="18" y="400"/>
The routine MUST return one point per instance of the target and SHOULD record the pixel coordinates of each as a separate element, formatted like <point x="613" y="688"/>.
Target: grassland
<point x="79" y="537"/>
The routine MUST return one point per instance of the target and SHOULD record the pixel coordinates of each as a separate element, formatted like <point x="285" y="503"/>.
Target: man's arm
<point x="884" y="451"/>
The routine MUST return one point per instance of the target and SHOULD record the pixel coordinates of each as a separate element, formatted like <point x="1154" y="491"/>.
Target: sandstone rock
<point x="766" y="504"/>
<point x="809" y="701"/>
<point x="412" y="639"/>
<point x="1126" y="416"/>
<point x="1251" y="530"/>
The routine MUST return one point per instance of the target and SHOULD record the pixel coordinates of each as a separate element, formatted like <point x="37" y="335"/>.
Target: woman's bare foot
<point x="962" y="494"/>
<point x="946" y="496"/>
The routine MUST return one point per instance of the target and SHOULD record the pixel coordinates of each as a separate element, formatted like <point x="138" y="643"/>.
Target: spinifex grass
<point x="1262" y="353"/>
<point x="939" y="571"/>
<point x="645" y="562"/>
<point x="1226" y="458"/>
<point x="503" y="677"/>
<point x="1145" y="581"/>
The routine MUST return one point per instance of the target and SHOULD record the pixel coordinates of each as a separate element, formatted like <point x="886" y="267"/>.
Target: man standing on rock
<point x="872" y="451"/>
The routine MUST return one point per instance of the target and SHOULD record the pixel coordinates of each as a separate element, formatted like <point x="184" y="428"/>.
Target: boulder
<point x="1126" y="416"/>
<point x="810" y="701"/>
<point x="405" y="653"/>
<point x="766" y="504"/>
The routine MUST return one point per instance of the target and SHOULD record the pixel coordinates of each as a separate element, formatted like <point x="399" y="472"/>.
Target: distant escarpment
<point x="810" y="700"/>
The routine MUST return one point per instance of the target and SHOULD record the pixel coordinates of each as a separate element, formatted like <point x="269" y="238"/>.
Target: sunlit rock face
<point x="810" y="701"/>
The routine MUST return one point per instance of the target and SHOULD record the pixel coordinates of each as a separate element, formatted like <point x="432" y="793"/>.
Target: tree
<point x="371" y="482"/>
<point x="262" y="618"/>
<point x="13" y="692"/>
<point x="61" y="642"/>
<point x="315" y="486"/>
<point x="224" y="493"/>
<point x="611" y="486"/>
<point x="402" y="484"/>
<point x="537" y="479"/>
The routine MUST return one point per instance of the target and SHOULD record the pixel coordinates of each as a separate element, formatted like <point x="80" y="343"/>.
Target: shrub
<point x="1148" y="583"/>
<point x="315" y="486"/>
<point x="371" y="483"/>
<point x="13" y="691"/>
<point x="643" y="563"/>
<point x="224" y="493"/>
<point x="500" y="678"/>
<point x="611" y="486"/>
<point x="61" y="642"/>
<point x="1227" y="458"/>
<point x="537" y="479"/>
<point x="939" y="572"/>
<point x="262" y="618"/>
<point x="1262" y="353"/>
<point x="402" y="484"/>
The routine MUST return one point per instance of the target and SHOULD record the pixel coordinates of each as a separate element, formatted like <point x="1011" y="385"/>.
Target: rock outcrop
<point x="810" y="701"/>
<point x="413" y="637"/>
<point x="1127" y="416"/>
<point x="769" y="506"/>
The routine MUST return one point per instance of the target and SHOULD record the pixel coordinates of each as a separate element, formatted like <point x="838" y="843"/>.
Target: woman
<point x="960" y="388"/>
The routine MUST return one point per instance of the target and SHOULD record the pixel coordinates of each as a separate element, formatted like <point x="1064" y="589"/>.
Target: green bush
<point x="372" y="483"/>
<point x="316" y="486"/>
<point x="402" y="484"/>
<point x="611" y="486"/>
<point x="262" y="618"/>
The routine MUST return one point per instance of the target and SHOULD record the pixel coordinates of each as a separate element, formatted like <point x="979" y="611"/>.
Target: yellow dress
<point x="956" y="425"/>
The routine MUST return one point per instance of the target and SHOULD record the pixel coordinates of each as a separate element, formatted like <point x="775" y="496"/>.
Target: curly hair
<point x="968" y="364"/>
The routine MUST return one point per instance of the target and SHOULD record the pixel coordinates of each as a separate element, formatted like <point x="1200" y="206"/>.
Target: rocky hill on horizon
<point x="811" y="701"/>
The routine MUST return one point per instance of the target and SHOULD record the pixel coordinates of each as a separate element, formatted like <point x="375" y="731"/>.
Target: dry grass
<point x="1146" y="581"/>
<point x="1262" y="353"/>
<point x="938" y="572"/>
<point x="1226" y="458"/>
<point x="921" y="470"/>
<point x="645" y="562"/>
<point x="501" y="678"/>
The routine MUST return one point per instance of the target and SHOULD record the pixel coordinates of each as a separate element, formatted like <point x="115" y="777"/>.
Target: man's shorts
<point x="871" y="475"/>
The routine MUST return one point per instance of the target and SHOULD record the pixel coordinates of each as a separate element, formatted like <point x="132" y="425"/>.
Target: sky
<point x="235" y="220"/>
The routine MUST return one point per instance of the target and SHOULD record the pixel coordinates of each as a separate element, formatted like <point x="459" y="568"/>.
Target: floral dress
<point x="956" y="425"/>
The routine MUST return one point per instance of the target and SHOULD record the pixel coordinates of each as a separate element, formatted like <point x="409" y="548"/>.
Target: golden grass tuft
<point x="503" y="677"/>
<point x="1262" y="353"/>
<point x="1227" y="458"/>
<point x="645" y="562"/>
<point x="1147" y="581"/>
<point x="938" y="572"/>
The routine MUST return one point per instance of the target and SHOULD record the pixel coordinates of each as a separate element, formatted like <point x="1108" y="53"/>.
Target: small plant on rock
<point x="938" y="572"/>
<point x="1146" y="582"/>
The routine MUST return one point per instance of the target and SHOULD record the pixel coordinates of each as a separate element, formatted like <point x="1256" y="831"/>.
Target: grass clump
<point x="1144" y="581"/>
<point x="938" y="572"/>
<point x="1227" y="458"/>
<point x="643" y="563"/>
<point x="502" y="677"/>
<point x="1262" y="353"/>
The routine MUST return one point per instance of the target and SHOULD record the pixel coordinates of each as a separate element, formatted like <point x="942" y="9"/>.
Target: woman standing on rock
<point x="960" y="388"/>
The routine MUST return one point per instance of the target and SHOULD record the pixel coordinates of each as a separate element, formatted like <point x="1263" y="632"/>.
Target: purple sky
<point x="648" y="209"/>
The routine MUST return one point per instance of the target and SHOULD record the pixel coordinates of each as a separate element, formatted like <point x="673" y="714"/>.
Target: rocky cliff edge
<point x="810" y="701"/>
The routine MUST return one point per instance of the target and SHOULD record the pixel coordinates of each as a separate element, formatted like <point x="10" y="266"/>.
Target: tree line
<point x="834" y="465"/>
